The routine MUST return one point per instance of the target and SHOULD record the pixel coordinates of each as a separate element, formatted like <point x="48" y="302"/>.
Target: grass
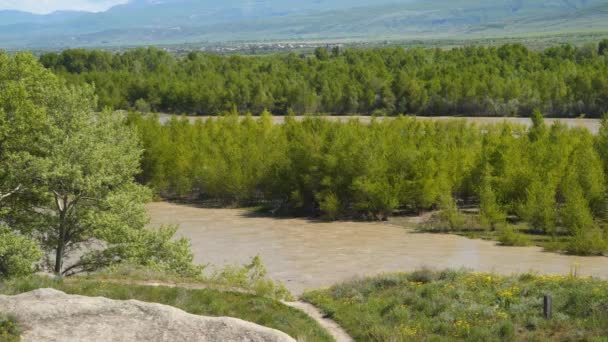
<point x="9" y="329"/>
<point x="208" y="302"/>
<point x="249" y="278"/>
<point x="590" y="243"/>
<point x="464" y="306"/>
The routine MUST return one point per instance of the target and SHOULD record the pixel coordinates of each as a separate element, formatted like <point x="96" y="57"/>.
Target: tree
<point x="26" y="89"/>
<point x="539" y="128"/>
<point x="603" y="47"/>
<point x="79" y="190"/>
<point x="321" y="53"/>
<point x="491" y="213"/>
<point x="601" y="142"/>
<point x="540" y="207"/>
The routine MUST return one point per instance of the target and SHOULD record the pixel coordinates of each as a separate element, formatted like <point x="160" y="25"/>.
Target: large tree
<point x="73" y="188"/>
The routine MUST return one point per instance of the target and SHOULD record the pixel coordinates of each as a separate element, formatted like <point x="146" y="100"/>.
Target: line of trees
<point x="553" y="178"/>
<point x="510" y="80"/>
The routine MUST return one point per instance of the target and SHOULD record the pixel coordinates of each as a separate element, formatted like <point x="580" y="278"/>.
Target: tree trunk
<point x="59" y="257"/>
<point x="62" y="207"/>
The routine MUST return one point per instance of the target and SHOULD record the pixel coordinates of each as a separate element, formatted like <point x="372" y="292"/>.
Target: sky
<point x="48" y="6"/>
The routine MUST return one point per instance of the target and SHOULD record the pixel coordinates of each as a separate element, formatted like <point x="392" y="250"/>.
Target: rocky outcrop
<point x="51" y="315"/>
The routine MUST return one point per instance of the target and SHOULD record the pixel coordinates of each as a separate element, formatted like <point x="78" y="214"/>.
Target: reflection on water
<point x="306" y="255"/>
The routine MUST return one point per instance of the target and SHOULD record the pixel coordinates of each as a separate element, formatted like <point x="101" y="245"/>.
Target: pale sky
<point x="48" y="6"/>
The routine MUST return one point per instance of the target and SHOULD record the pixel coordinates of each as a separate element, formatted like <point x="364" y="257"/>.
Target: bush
<point x="423" y="276"/>
<point x="251" y="277"/>
<point x="510" y="237"/>
<point x="9" y="328"/>
<point x="330" y="205"/>
<point x="142" y="106"/>
<point x="587" y="242"/>
<point x="17" y="254"/>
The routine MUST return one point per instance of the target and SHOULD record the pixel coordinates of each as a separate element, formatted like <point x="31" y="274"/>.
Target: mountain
<point x="144" y="22"/>
<point x="9" y="17"/>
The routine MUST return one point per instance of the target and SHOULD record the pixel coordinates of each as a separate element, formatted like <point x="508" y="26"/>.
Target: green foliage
<point x="550" y="177"/>
<point x="491" y="213"/>
<point x="540" y="207"/>
<point x="67" y="179"/>
<point x="449" y="214"/>
<point x="588" y="242"/>
<point x="142" y="106"/>
<point x="463" y="306"/>
<point x="330" y="205"/>
<point x="207" y="302"/>
<point x="509" y="236"/>
<point x="314" y="167"/>
<point x="603" y="47"/>
<point x="509" y="80"/>
<point x="251" y="277"/>
<point x="9" y="328"/>
<point x="18" y="254"/>
<point x="155" y="249"/>
<point x="601" y="143"/>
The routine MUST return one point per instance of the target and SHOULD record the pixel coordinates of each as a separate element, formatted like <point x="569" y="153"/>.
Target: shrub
<point x="251" y="277"/>
<point x="447" y="220"/>
<point x="330" y="205"/>
<point x="9" y="328"/>
<point x="510" y="237"/>
<point x="17" y="254"/>
<point x="507" y="331"/>
<point x="554" y="246"/>
<point x="423" y="276"/>
<point x="587" y="242"/>
<point x="142" y="106"/>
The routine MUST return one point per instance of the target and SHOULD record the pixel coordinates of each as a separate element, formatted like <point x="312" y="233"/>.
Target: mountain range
<point x="147" y="22"/>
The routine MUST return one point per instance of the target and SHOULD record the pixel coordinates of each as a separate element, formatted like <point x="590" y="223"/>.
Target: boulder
<point x="51" y="315"/>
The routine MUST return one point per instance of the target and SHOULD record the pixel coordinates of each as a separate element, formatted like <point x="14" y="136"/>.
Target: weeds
<point x="464" y="306"/>
<point x="9" y="328"/>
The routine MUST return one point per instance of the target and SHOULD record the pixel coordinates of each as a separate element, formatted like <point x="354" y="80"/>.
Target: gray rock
<point x="51" y="315"/>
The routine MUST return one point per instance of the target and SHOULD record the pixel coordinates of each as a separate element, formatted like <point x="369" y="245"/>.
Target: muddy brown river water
<point x="306" y="254"/>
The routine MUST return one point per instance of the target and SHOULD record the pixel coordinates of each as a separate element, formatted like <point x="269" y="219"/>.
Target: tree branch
<point x="10" y="193"/>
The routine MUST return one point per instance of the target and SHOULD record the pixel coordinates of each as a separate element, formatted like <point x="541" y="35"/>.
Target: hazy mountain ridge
<point x="177" y="21"/>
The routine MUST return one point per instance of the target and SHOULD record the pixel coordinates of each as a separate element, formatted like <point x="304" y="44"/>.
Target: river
<point x="305" y="254"/>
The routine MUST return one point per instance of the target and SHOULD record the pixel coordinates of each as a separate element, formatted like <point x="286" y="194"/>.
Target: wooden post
<point x="548" y="307"/>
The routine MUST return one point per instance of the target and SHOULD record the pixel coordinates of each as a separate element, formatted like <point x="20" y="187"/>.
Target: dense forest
<point x="511" y="80"/>
<point x="551" y="178"/>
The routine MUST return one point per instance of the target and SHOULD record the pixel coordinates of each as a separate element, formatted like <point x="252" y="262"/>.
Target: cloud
<point x="48" y="6"/>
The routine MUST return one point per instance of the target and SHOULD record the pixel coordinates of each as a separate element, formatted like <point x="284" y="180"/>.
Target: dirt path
<point x="305" y="254"/>
<point x="328" y="324"/>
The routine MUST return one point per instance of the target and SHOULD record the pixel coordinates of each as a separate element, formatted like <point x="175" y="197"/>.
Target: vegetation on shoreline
<point x="549" y="181"/>
<point x="208" y="302"/>
<point x="249" y="278"/>
<point x="510" y="80"/>
<point x="464" y="306"/>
